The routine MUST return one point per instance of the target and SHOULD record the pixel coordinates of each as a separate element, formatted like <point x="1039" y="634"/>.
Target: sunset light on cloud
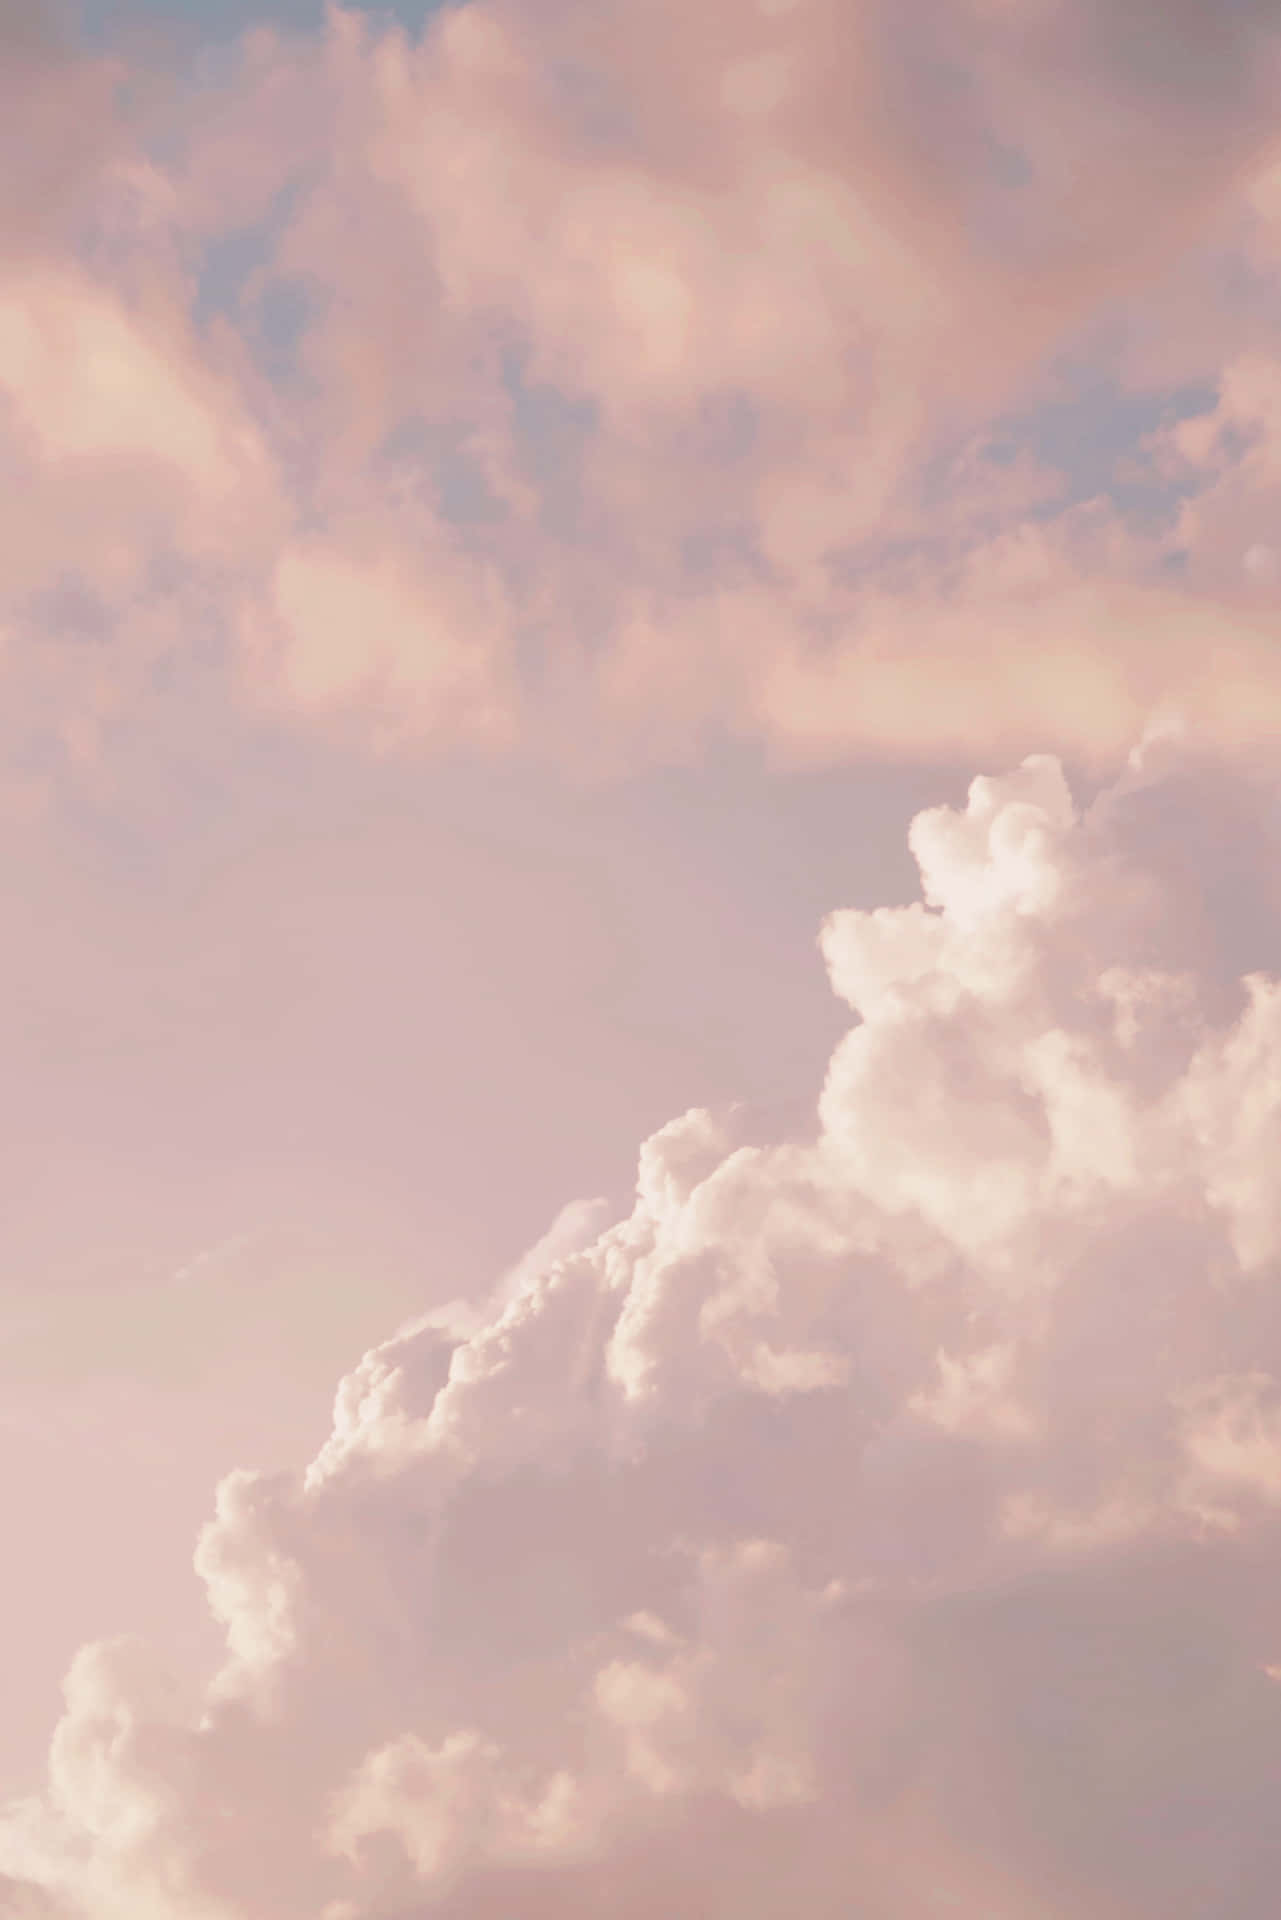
<point x="640" y="659"/>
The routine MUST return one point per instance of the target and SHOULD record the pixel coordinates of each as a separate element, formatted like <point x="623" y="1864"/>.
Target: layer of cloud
<point x="885" y="1516"/>
<point x="609" y="380"/>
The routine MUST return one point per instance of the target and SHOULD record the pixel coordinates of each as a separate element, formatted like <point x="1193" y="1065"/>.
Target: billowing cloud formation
<point x="886" y="1520"/>
<point x="612" y="376"/>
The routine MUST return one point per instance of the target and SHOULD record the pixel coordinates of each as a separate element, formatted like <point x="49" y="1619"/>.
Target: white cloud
<point x="862" y="1519"/>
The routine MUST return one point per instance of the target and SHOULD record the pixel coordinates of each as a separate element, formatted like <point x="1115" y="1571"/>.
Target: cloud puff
<point x="887" y="1516"/>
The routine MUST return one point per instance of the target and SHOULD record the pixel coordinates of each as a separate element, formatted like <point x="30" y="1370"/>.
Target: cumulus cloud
<point x="886" y="1516"/>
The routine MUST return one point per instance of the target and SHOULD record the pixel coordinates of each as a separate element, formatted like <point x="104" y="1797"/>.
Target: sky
<point x="640" y="657"/>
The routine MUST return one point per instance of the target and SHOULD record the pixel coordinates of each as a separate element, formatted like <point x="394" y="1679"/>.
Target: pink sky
<point x="639" y="665"/>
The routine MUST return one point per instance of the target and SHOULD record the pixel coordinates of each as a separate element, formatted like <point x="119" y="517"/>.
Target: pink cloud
<point x="785" y="284"/>
<point x="421" y="636"/>
<point x="887" y="1514"/>
<point x="851" y="284"/>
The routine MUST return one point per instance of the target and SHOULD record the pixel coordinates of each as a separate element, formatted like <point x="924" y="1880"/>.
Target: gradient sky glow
<point x="640" y="659"/>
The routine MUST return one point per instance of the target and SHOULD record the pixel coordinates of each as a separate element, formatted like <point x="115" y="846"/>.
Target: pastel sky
<point x="640" y="662"/>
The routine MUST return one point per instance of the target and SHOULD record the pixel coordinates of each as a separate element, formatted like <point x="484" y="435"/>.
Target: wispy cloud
<point x="793" y="286"/>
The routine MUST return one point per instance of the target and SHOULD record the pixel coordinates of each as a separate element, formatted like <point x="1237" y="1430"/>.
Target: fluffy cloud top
<point x="882" y="1520"/>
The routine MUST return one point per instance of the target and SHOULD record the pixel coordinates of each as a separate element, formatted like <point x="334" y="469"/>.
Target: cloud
<point x="525" y="380"/>
<point x="887" y="1514"/>
<point x="387" y="629"/>
<point x="576" y="1227"/>
<point x="791" y="288"/>
<point x="61" y="123"/>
